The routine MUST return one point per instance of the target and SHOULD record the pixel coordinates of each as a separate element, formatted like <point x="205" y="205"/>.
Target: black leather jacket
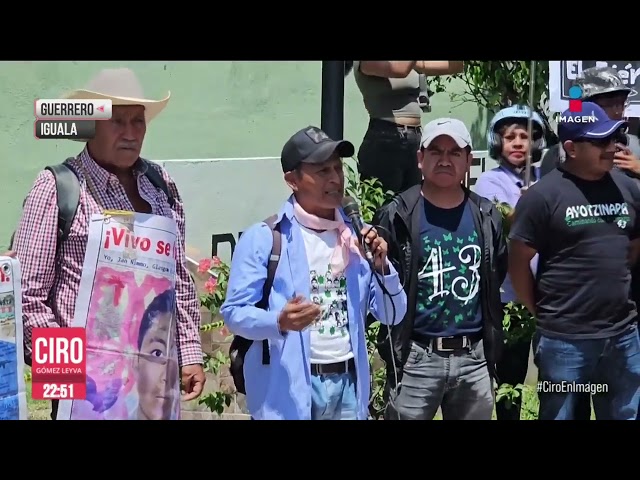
<point x="400" y="222"/>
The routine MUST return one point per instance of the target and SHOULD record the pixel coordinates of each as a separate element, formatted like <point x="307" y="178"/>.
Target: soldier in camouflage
<point x="603" y="85"/>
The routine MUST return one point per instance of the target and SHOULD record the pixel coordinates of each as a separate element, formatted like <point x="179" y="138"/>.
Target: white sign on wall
<point x="562" y="75"/>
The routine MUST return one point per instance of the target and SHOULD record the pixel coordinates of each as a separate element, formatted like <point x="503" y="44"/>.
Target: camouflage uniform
<point x="594" y="81"/>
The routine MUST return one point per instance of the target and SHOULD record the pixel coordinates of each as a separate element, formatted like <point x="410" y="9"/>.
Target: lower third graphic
<point x="65" y="129"/>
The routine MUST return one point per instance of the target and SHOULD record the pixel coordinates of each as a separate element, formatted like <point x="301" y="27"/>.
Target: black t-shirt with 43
<point x="582" y="231"/>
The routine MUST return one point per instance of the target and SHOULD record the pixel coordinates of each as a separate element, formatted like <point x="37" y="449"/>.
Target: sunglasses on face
<point x="618" y="137"/>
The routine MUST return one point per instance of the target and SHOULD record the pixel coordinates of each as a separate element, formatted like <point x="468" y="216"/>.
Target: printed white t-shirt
<point x="330" y="340"/>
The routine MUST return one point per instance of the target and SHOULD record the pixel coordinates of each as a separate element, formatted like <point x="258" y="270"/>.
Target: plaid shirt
<point x="51" y="281"/>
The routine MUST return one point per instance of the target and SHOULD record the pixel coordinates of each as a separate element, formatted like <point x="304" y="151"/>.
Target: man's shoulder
<point x="550" y="181"/>
<point x="481" y="202"/>
<point x="623" y="180"/>
<point x="46" y="181"/>
<point x="159" y="170"/>
<point x="401" y="202"/>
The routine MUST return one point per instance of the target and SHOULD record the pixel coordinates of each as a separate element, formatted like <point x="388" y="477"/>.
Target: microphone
<point x="352" y="210"/>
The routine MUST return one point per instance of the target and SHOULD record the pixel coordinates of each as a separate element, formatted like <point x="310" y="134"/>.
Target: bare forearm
<point x="523" y="284"/>
<point x="439" y="67"/>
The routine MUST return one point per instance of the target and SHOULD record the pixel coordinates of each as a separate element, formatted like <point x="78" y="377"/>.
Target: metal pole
<point x="332" y="106"/>
<point x="532" y="78"/>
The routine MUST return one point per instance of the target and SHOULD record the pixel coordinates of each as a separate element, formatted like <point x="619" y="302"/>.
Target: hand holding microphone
<point x="373" y="247"/>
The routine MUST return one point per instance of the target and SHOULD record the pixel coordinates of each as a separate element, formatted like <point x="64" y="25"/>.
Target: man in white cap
<point x="111" y="176"/>
<point x="447" y="243"/>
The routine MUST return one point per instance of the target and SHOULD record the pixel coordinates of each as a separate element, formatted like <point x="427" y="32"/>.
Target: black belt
<point x="447" y="344"/>
<point x="339" y="367"/>
<point x="378" y="122"/>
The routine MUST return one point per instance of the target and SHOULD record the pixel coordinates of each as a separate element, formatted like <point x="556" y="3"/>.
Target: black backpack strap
<point x="157" y="180"/>
<point x="274" y="258"/>
<point x="68" y="194"/>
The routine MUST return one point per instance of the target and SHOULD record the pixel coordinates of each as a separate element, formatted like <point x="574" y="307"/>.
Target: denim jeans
<point x="610" y="366"/>
<point x="333" y="397"/>
<point x="457" y="382"/>
<point x="389" y="152"/>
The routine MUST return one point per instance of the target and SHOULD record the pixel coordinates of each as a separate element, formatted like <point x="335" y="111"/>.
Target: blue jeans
<point x="458" y="383"/>
<point x="333" y="397"/>
<point x="609" y="368"/>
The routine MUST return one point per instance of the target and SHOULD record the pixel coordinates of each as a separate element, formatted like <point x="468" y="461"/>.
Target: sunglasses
<point x="618" y="137"/>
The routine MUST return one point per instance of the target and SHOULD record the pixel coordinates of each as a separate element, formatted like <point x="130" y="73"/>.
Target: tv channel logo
<point x="575" y="98"/>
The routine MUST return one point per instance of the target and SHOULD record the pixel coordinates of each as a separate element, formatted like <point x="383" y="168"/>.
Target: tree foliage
<point x="498" y="84"/>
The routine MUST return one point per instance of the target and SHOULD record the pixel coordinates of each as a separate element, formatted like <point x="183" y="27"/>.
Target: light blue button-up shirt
<point x="282" y="389"/>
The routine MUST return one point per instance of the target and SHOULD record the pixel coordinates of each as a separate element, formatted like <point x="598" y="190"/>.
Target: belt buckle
<point x="439" y="346"/>
<point x="465" y="344"/>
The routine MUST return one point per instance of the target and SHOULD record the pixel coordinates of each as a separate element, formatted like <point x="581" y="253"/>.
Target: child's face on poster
<point x="157" y="376"/>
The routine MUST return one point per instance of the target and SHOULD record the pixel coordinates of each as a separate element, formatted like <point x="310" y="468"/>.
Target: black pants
<point x="389" y="153"/>
<point x="54" y="409"/>
<point x="512" y="369"/>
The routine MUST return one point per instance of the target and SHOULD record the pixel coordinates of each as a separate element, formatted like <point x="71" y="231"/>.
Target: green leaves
<point x="368" y="193"/>
<point x="518" y="324"/>
<point x="498" y="84"/>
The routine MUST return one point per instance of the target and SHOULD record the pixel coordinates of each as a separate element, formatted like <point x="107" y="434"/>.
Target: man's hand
<point x="378" y="247"/>
<point x="193" y="380"/>
<point x="9" y="253"/>
<point x="626" y="160"/>
<point x="298" y="314"/>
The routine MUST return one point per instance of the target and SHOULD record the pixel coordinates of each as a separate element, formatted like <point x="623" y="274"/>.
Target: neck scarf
<point x="346" y="240"/>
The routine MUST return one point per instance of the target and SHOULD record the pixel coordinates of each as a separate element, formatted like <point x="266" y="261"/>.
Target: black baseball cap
<point x="312" y="145"/>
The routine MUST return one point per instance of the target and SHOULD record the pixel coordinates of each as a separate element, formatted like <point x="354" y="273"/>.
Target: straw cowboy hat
<point x="122" y="87"/>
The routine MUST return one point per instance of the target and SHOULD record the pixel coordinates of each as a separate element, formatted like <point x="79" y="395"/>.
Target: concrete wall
<point x="219" y="110"/>
<point x="252" y="190"/>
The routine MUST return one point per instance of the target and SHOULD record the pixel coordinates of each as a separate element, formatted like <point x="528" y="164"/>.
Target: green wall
<point x="218" y="109"/>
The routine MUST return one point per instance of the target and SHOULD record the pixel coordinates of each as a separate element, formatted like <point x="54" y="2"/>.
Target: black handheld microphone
<point x="352" y="210"/>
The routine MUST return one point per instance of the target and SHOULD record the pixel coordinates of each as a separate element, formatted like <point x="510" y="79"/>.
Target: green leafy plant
<point x="371" y="196"/>
<point x="518" y="324"/>
<point x="368" y="193"/>
<point x="215" y="290"/>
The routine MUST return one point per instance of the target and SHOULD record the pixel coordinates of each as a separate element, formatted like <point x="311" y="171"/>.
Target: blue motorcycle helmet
<point x="519" y="114"/>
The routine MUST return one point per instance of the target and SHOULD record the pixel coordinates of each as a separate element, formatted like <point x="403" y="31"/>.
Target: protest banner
<point x="13" y="395"/>
<point x="563" y="73"/>
<point x="127" y="304"/>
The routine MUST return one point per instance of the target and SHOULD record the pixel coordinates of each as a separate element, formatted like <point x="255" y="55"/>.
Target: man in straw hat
<point x="112" y="176"/>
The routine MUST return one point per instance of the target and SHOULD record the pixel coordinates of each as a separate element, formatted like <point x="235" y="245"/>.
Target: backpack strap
<point x="68" y="195"/>
<point x="157" y="180"/>
<point x="274" y="258"/>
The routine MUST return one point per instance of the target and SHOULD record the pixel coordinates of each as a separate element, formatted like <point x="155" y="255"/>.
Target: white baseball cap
<point x="446" y="126"/>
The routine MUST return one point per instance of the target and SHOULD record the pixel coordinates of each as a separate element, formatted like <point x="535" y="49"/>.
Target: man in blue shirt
<point x="448" y="245"/>
<point x="323" y="290"/>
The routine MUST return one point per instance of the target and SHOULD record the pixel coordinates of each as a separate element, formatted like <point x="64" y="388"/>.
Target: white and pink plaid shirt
<point x="51" y="280"/>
